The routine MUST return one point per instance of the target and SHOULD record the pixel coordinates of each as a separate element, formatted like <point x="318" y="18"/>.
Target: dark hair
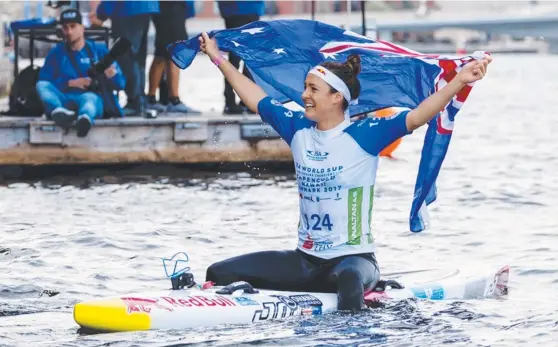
<point x="347" y="72"/>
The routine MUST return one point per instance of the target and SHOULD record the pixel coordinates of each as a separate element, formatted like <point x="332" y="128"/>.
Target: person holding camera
<point x="65" y="89"/>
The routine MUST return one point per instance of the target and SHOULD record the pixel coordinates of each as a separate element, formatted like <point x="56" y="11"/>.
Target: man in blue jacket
<point x="170" y="27"/>
<point x="64" y="86"/>
<point x="130" y="19"/>
<point x="236" y="14"/>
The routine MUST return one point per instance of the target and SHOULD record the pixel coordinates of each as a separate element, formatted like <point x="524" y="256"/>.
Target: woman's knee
<point x="216" y="273"/>
<point x="352" y="276"/>
<point x="350" y="290"/>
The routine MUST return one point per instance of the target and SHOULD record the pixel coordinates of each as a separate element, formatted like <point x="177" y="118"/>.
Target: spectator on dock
<point x="236" y="14"/>
<point x="64" y="86"/>
<point x="130" y="19"/>
<point x="170" y="26"/>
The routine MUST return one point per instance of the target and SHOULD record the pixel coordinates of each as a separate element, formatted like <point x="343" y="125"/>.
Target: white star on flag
<point x="236" y="44"/>
<point x="279" y="51"/>
<point x="252" y="31"/>
<point x="329" y="55"/>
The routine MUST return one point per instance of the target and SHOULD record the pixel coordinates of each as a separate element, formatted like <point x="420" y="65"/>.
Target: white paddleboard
<point x="198" y="307"/>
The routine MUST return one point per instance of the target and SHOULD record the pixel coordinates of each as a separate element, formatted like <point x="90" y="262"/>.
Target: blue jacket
<point x="115" y="9"/>
<point x="58" y="68"/>
<point x="232" y="8"/>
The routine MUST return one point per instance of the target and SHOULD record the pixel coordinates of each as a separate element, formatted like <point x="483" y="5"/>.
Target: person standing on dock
<point x="237" y="14"/>
<point x="169" y="27"/>
<point x="130" y="19"/>
<point x="64" y="86"/>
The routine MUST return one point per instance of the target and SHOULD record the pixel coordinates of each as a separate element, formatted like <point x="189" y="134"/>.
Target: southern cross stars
<point x="252" y="31"/>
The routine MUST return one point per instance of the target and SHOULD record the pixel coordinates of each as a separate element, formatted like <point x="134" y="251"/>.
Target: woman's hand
<point x="250" y="93"/>
<point x="429" y="108"/>
<point x="474" y="70"/>
<point x="209" y="46"/>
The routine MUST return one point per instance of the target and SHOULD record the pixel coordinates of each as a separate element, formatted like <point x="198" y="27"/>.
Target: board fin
<point x="501" y="280"/>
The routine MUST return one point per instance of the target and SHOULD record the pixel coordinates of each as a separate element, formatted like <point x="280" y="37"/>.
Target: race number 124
<point x="317" y="222"/>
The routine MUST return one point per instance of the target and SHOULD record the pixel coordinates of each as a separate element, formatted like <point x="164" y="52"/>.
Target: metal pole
<point x="313" y="9"/>
<point x="2" y="35"/>
<point x="363" y="15"/>
<point x="16" y="53"/>
<point x="348" y="27"/>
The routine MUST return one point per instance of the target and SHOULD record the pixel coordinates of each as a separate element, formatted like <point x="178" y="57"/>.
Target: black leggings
<point x="348" y="276"/>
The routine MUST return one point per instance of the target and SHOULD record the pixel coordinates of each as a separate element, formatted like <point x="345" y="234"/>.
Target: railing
<point x="53" y="35"/>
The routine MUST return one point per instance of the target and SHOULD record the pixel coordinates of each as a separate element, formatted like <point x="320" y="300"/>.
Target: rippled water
<point x="83" y="237"/>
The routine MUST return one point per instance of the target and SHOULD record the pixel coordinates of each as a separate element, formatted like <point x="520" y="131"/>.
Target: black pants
<point x="135" y="29"/>
<point x="235" y="22"/>
<point x="348" y="276"/>
<point x="170" y="26"/>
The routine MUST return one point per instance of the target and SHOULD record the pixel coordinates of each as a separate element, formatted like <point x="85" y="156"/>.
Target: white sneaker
<point x="63" y="117"/>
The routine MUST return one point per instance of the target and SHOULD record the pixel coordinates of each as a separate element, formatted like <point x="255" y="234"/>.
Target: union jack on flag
<point x="280" y="53"/>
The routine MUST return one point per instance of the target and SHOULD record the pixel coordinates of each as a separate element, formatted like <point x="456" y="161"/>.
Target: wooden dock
<point x="208" y="138"/>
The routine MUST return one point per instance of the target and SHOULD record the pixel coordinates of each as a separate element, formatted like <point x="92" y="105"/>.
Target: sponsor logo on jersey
<point x="322" y="246"/>
<point x="316" y="155"/>
<point x="308" y="243"/>
<point x="355" y="216"/>
<point x="316" y="246"/>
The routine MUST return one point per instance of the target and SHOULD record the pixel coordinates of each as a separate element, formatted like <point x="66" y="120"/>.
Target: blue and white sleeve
<point x="284" y="121"/>
<point x="375" y="134"/>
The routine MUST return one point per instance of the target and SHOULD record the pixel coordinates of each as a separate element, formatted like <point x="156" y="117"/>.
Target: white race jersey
<point x="336" y="173"/>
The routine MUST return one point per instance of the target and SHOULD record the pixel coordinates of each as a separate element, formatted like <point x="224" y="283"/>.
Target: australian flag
<point x="280" y="53"/>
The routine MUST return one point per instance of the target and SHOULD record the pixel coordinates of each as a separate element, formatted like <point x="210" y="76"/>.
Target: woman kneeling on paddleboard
<point x="336" y="162"/>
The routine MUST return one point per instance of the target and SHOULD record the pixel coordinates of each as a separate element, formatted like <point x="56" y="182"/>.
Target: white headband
<point x="332" y="79"/>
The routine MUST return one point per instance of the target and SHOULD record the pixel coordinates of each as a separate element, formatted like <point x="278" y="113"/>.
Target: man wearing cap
<point x="64" y="86"/>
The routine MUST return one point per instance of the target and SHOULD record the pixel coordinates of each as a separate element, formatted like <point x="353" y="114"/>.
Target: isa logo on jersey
<point x="316" y="155"/>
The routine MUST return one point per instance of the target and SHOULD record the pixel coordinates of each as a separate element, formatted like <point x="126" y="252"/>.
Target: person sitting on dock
<point x="64" y="86"/>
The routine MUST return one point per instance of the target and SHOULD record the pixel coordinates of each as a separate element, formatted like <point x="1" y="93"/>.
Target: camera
<point x="119" y="48"/>
<point x="97" y="69"/>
